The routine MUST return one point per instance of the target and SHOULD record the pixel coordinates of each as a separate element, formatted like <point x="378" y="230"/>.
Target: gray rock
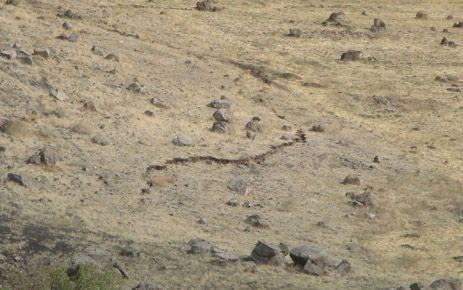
<point x="100" y="139"/>
<point x="239" y="185"/>
<point x="58" y="94"/>
<point x="58" y="112"/>
<point x="421" y="15"/>
<point x="446" y="42"/>
<point x="46" y="156"/>
<point x="263" y="252"/>
<point x="134" y="87"/>
<point x="256" y="221"/>
<point x="351" y="179"/>
<point x="16" y="178"/>
<point x="199" y="246"/>
<point x="314" y="269"/>
<point x="219" y="104"/>
<point x="220" y="127"/>
<point x="70" y="14"/>
<point x="182" y="140"/>
<point x="335" y="18"/>
<point x="222" y="115"/>
<point x="319" y="128"/>
<point x="343" y="267"/>
<point x="254" y="125"/>
<point x="67" y="25"/>
<point x="301" y="255"/>
<point x="447" y="284"/>
<point x="207" y="5"/>
<point x="351" y="55"/>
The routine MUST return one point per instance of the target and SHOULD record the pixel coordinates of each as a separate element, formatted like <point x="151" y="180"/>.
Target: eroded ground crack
<point x="259" y="158"/>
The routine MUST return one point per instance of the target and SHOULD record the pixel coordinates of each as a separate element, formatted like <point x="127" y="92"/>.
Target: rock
<point x="446" y="42"/>
<point x="314" y="269"/>
<point x="73" y="37"/>
<point x="364" y="13"/>
<point x="449" y="17"/>
<point x="70" y="14"/>
<point x="90" y="106"/>
<point x="351" y="179"/>
<point x="131" y="252"/>
<point x="376" y="159"/>
<point x="158" y="103"/>
<point x="351" y="55"/>
<point x="46" y="156"/>
<point x="134" y="87"/>
<point x="224" y="255"/>
<point x="220" y="127"/>
<point x="343" y="267"/>
<point x="12" y="2"/>
<point x="446" y="78"/>
<point x="100" y="139"/>
<point x="447" y="284"/>
<point x="254" y="125"/>
<point x="335" y="18"/>
<point x="148" y="286"/>
<point x="201" y="221"/>
<point x="378" y="25"/>
<point x="112" y="56"/>
<point x="78" y="261"/>
<point x="8" y="54"/>
<point x="251" y="135"/>
<point x="199" y="246"/>
<point x="302" y="254"/>
<point x="286" y="128"/>
<point x="318" y="128"/>
<point x="207" y="5"/>
<point x="361" y="199"/>
<point x="182" y="140"/>
<point x="2" y="149"/>
<point x="239" y="185"/>
<point x="222" y="115"/>
<point x="16" y="178"/>
<point x="264" y="252"/>
<point x="44" y="52"/>
<point x="58" y="94"/>
<point x="233" y="202"/>
<point x="421" y="15"/>
<point x="24" y="56"/>
<point x="256" y="221"/>
<point x="67" y="25"/>
<point x="458" y="24"/>
<point x="417" y="286"/>
<point x="294" y="32"/>
<point x="97" y="50"/>
<point x="219" y="104"/>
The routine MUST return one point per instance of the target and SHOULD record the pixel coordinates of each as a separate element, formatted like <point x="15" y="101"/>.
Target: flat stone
<point x="182" y="140"/>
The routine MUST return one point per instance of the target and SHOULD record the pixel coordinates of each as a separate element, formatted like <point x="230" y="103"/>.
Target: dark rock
<point x="220" y="127"/>
<point x="222" y="115"/>
<point x="134" y="87"/>
<point x="16" y="178"/>
<point x="70" y="14"/>
<point x="8" y="54"/>
<point x="131" y="252"/>
<point x="219" y="104"/>
<point x="417" y="286"/>
<point x="446" y="42"/>
<point x="233" y="202"/>
<point x="264" y="252"/>
<point x="44" y="52"/>
<point x="12" y="2"/>
<point x="447" y="284"/>
<point x="256" y="221"/>
<point x="449" y="17"/>
<point x="67" y="25"/>
<point x="458" y="24"/>
<point x="319" y="128"/>
<point x="351" y="55"/>
<point x="335" y="18"/>
<point x="376" y="159"/>
<point x="361" y="199"/>
<point x="2" y="149"/>
<point x="378" y="25"/>
<point x="182" y="140"/>
<point x="351" y="179"/>
<point x="199" y="246"/>
<point x="421" y="15"/>
<point x="294" y="32"/>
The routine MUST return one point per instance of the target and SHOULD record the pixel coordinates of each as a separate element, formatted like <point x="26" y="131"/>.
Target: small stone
<point x="219" y="104"/>
<point x="318" y="128"/>
<point x="199" y="246"/>
<point x="207" y="5"/>
<point x="302" y="254"/>
<point x="233" y="202"/>
<point x="134" y="87"/>
<point x="46" y="156"/>
<point x="16" y="178"/>
<point x="220" y="127"/>
<point x="446" y="284"/>
<point x="417" y="286"/>
<point x="224" y="255"/>
<point x="201" y="221"/>
<point x="421" y="15"/>
<point x="12" y="2"/>
<point x="45" y="53"/>
<point x="90" y="106"/>
<point x="361" y="199"/>
<point x="9" y="54"/>
<point x="378" y="25"/>
<point x="449" y="17"/>
<point x="222" y="115"/>
<point x="376" y="159"/>
<point x="370" y="215"/>
<point x="73" y="37"/>
<point x="67" y="25"/>
<point x="158" y="103"/>
<point x="446" y="42"/>
<point x="343" y="267"/>
<point x="458" y="24"/>
<point x="251" y="135"/>
<point x="58" y="94"/>
<point x="131" y="252"/>
<point x="284" y="249"/>
<point x="182" y="140"/>
<point x="351" y="55"/>
<point x="351" y="179"/>
<point x="313" y="269"/>
<point x="263" y="252"/>
<point x="364" y="13"/>
<point x="112" y="56"/>
<point x="286" y="128"/>
<point x="2" y="149"/>
<point x="294" y="32"/>
<point x="97" y="50"/>
<point x="335" y="18"/>
<point x="254" y="125"/>
<point x="100" y="139"/>
<point x="239" y="185"/>
<point x="286" y="137"/>
<point x="256" y="221"/>
<point x="148" y="286"/>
